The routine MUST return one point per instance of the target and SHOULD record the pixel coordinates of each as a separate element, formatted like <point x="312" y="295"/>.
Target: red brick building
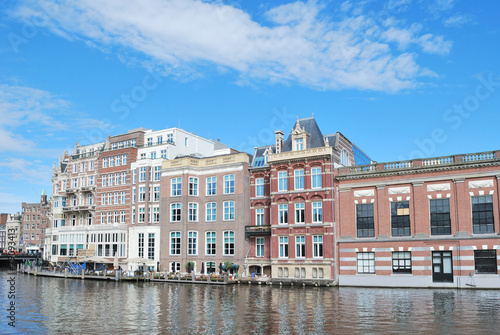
<point x="420" y="223"/>
<point x="34" y="223"/>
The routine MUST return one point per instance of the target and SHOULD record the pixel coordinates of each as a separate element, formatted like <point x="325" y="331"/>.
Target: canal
<point x="67" y="306"/>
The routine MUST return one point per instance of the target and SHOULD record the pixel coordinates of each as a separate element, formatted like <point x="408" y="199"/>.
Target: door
<point x="442" y="267"/>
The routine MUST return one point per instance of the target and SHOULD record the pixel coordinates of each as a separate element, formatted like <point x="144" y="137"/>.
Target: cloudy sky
<point x="400" y="78"/>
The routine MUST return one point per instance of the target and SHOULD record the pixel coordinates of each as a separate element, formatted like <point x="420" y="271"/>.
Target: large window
<point x="400" y="218"/>
<point x="193" y="186"/>
<point x="283" y="214"/>
<point x="316" y="177"/>
<point x="259" y="247"/>
<point x="142" y="194"/>
<point x="282" y="181"/>
<point x="364" y="220"/>
<point x="283" y="246"/>
<point x="229" y="184"/>
<point x="228" y="210"/>
<point x="300" y="213"/>
<point x="142" y="174"/>
<point x="366" y="262"/>
<point x="318" y="246"/>
<point x="440" y="217"/>
<point x="229" y="242"/>
<point x="259" y="214"/>
<point x="485" y="261"/>
<point x="211" y="186"/>
<point x="401" y="262"/>
<point x="300" y="246"/>
<point x="317" y="212"/>
<point x="176" y="187"/>
<point x="211" y="211"/>
<point x="259" y="187"/>
<point x="175" y="243"/>
<point x="482" y="214"/>
<point x="299" y="179"/>
<point x="192" y="243"/>
<point x="193" y="212"/>
<point x="151" y="246"/>
<point x="175" y="212"/>
<point x="140" y="247"/>
<point x="211" y="243"/>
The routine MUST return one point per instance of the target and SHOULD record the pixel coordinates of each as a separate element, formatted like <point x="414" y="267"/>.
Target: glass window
<point x="282" y="181"/>
<point x="283" y="214"/>
<point x="366" y="262"/>
<point x="299" y="144"/>
<point x="228" y="210"/>
<point x="401" y="262"/>
<point x="259" y="247"/>
<point x="259" y="187"/>
<point x="316" y="177"/>
<point x="299" y="179"/>
<point x="151" y="246"/>
<point x="259" y="213"/>
<point x="211" y="186"/>
<point x="400" y="218"/>
<point x="229" y="243"/>
<point x="193" y="212"/>
<point x="175" y="243"/>
<point x="300" y="246"/>
<point x="211" y="243"/>
<point x="317" y="212"/>
<point x="300" y="213"/>
<point x="142" y="174"/>
<point x="175" y="210"/>
<point x="485" y="261"/>
<point x="176" y="187"/>
<point x="157" y="173"/>
<point x="193" y="186"/>
<point x="283" y="246"/>
<point x="440" y="217"/>
<point x="192" y="243"/>
<point x="318" y="246"/>
<point x="482" y="214"/>
<point x="211" y="211"/>
<point x="229" y="184"/>
<point x="364" y="220"/>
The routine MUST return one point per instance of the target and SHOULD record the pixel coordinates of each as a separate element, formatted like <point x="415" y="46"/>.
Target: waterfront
<point x="65" y="306"/>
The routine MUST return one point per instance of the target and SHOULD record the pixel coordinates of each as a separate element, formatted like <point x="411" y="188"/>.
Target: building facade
<point x="14" y="237"/>
<point x="34" y="223"/>
<point x="204" y="211"/>
<point x="421" y="223"/>
<point x="292" y="234"/>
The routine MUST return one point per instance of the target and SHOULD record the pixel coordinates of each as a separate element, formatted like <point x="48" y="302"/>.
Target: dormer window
<point x="299" y="144"/>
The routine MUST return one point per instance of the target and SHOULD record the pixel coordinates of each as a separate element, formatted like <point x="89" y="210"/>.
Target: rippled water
<point x="68" y="306"/>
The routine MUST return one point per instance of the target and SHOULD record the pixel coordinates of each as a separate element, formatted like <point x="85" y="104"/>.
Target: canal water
<point x="67" y="306"/>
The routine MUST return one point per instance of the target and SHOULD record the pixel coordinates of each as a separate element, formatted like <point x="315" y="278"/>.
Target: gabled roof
<point x="310" y="126"/>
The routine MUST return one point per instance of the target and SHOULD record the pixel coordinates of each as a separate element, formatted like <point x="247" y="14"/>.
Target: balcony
<point x="88" y="188"/>
<point x="78" y="208"/>
<point x="257" y="231"/>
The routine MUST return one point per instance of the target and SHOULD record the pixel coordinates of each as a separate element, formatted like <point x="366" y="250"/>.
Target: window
<point x="211" y="186"/>
<point x="124" y="178"/>
<point x="175" y="243"/>
<point x="259" y="213"/>
<point x="299" y="179"/>
<point x="400" y="218"/>
<point x="134" y="177"/>
<point x="105" y="162"/>
<point x="442" y="267"/>
<point x="103" y="198"/>
<point x="211" y="243"/>
<point x="283" y="214"/>
<point x="193" y="212"/>
<point x="344" y="158"/>
<point x="366" y="262"/>
<point x="163" y="154"/>
<point x="175" y="212"/>
<point x="151" y="246"/>
<point x="141" y="245"/>
<point x="122" y="217"/>
<point x="159" y="140"/>
<point x="259" y="187"/>
<point x="401" y="262"/>
<point x="229" y="243"/>
<point x="124" y="159"/>
<point x="440" y="217"/>
<point x="259" y="247"/>
<point x="156" y="214"/>
<point x="364" y="220"/>
<point x="193" y="186"/>
<point x="300" y="213"/>
<point x="228" y="210"/>
<point x="211" y="211"/>
<point x="283" y="246"/>
<point x="118" y="160"/>
<point x="316" y="177"/>
<point x="133" y="195"/>
<point x="485" y="261"/>
<point x="318" y="246"/>
<point x="141" y="214"/>
<point x="156" y="193"/>
<point x="299" y="144"/>
<point x="176" y="187"/>
<point x="186" y="142"/>
<point x="229" y="184"/>
<point x="142" y="174"/>
<point x="111" y="161"/>
<point x="142" y="194"/>
<point x="150" y="141"/>
<point x="192" y="243"/>
<point x="300" y="246"/>
<point x="282" y="181"/>
<point x="317" y="212"/>
<point x="482" y="214"/>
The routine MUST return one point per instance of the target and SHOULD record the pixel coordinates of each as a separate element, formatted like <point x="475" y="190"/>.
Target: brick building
<point x="420" y="223"/>
<point x="34" y="224"/>
<point x="292" y="234"/>
<point x="204" y="211"/>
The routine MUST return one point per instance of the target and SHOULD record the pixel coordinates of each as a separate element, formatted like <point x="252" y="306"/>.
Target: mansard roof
<point x="309" y="124"/>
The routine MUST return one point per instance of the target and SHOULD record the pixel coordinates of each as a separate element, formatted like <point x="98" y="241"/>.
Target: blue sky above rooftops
<point x="400" y="78"/>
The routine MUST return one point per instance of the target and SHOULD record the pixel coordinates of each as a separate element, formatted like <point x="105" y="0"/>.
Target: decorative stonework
<point x="399" y="190"/>
<point x="438" y="187"/>
<point x="480" y="183"/>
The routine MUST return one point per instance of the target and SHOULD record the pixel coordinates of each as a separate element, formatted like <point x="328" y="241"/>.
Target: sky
<point x="401" y="79"/>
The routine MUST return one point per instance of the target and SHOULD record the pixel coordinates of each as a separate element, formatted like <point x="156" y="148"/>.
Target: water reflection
<point x="64" y="306"/>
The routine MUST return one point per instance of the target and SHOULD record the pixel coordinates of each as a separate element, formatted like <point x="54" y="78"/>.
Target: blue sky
<point x="400" y="78"/>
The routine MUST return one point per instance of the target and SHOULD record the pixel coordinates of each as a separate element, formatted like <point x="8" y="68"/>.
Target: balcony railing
<point x="423" y="162"/>
<point x="258" y="230"/>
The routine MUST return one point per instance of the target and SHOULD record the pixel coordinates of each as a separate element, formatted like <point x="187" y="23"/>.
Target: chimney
<point x="279" y="140"/>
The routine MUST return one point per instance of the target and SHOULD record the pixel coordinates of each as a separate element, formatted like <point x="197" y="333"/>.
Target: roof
<point x="310" y="126"/>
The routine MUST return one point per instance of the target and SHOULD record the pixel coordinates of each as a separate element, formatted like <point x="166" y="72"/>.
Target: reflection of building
<point x="424" y="223"/>
<point x="204" y="211"/>
<point x="34" y="224"/>
<point x="292" y="230"/>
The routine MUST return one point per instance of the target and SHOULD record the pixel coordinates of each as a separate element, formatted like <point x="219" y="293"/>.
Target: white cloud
<point x="298" y="44"/>
<point x="20" y="169"/>
<point x="457" y="20"/>
<point x="429" y="43"/>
